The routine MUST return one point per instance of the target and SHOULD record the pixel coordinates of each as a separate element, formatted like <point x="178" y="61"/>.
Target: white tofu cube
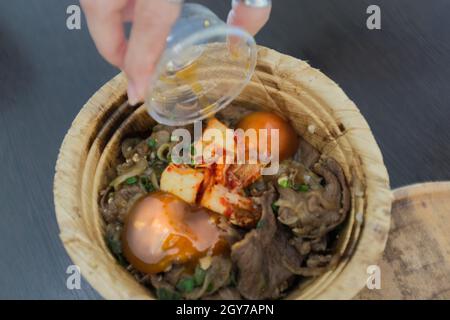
<point x="181" y="181"/>
<point x="214" y="199"/>
<point x="219" y="199"/>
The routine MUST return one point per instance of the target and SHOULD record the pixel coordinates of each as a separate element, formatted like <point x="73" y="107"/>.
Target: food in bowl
<point x="224" y="231"/>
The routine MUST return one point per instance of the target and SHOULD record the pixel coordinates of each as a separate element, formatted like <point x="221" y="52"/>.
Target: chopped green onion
<point x="301" y="188"/>
<point x="131" y="180"/>
<point x="166" y="294"/>
<point x="233" y="280"/>
<point x="210" y="287"/>
<point x="199" y="276"/>
<point x="193" y="151"/>
<point x="113" y="242"/>
<point x="283" y="182"/>
<point x="186" y="285"/>
<point x="261" y="223"/>
<point x="151" y="143"/>
<point x="148" y="186"/>
<point x="275" y="207"/>
<point x="114" y="245"/>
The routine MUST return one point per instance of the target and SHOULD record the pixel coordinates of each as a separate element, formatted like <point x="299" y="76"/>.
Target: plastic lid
<point x="201" y="73"/>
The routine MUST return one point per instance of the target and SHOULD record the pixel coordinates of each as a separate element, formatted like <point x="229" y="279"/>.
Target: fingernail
<point x="133" y="97"/>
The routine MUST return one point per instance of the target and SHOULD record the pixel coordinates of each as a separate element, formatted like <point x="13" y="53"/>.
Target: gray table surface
<point x="398" y="76"/>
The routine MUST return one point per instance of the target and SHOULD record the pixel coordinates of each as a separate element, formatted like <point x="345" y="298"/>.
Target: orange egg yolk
<point x="161" y="230"/>
<point x="288" y="139"/>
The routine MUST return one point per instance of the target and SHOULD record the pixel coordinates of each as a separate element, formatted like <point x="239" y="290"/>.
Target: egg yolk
<point x="161" y="229"/>
<point x="288" y="139"/>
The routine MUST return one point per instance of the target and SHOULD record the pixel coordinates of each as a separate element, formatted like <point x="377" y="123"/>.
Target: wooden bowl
<point x="317" y="108"/>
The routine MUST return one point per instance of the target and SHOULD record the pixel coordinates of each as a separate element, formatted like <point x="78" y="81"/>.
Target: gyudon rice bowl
<point x="140" y="224"/>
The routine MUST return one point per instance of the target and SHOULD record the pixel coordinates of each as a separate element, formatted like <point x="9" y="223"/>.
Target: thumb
<point x="249" y="18"/>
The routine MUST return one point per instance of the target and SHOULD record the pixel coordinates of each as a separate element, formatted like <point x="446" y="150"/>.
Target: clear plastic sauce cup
<point x="205" y="66"/>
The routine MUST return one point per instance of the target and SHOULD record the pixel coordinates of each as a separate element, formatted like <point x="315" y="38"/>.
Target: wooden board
<point x="416" y="262"/>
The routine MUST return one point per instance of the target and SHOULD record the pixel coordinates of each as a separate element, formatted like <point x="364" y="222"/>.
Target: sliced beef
<point x="316" y="264"/>
<point x="261" y="256"/>
<point x="115" y="208"/>
<point x="336" y="189"/>
<point x="216" y="279"/>
<point x="229" y="232"/>
<point x="306" y="246"/>
<point x="163" y="289"/>
<point x="314" y="213"/>
<point x="307" y="154"/>
<point x="217" y="276"/>
<point x="297" y="174"/>
<point x="318" y="260"/>
<point x="174" y="275"/>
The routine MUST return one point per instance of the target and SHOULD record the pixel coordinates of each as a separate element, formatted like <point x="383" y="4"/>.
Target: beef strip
<point x="316" y="264"/>
<point x="307" y="154"/>
<point x="174" y="275"/>
<point x="259" y="257"/>
<point x="318" y="260"/>
<point x="117" y="208"/>
<point x="217" y="277"/>
<point x="307" y="246"/>
<point x="314" y="213"/>
<point x="229" y="232"/>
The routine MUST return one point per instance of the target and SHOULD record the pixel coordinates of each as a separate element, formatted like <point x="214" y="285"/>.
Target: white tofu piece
<point x="181" y="181"/>
<point x="239" y="201"/>
<point x="214" y="199"/>
<point x="215" y="138"/>
<point x="214" y="124"/>
<point x="219" y="199"/>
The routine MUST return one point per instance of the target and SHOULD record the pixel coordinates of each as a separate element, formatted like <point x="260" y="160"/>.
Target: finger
<point x="128" y="11"/>
<point x="153" y="20"/>
<point x="105" y="23"/>
<point x="248" y="18"/>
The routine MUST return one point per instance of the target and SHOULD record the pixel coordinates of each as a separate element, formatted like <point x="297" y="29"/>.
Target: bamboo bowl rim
<point x="284" y="84"/>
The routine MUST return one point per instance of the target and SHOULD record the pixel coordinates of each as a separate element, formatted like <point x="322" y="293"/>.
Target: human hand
<point x="152" y="21"/>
